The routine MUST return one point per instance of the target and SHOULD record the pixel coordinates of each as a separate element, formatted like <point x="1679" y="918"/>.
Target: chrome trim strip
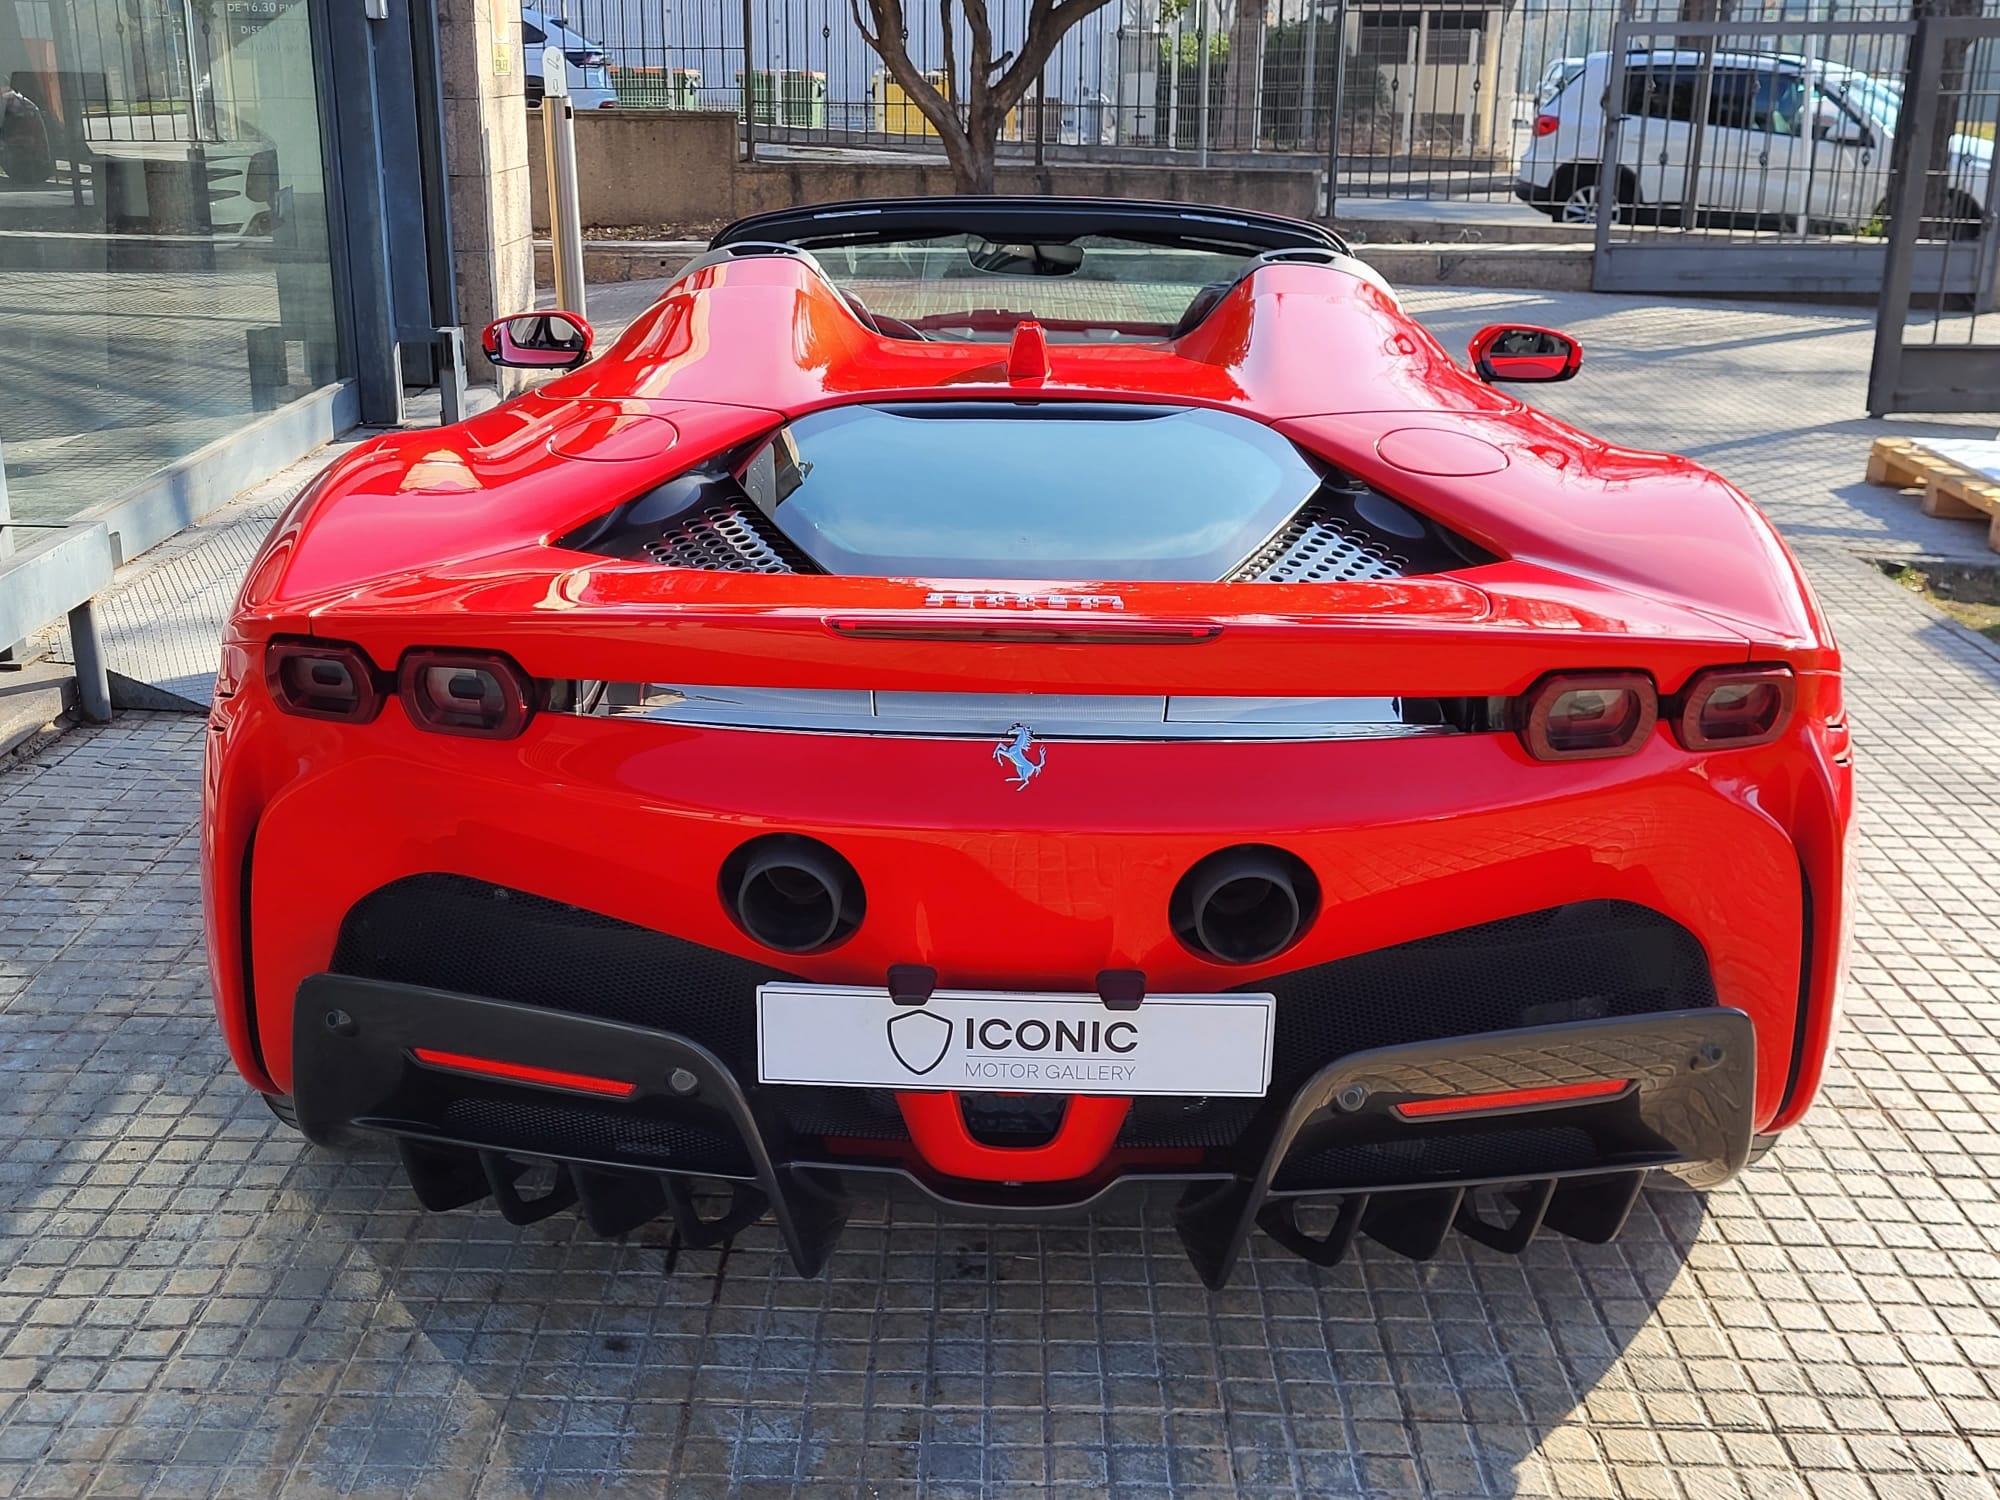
<point x="1053" y="716"/>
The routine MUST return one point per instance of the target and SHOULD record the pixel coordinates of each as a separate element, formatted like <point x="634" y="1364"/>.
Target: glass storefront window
<point x="164" y="270"/>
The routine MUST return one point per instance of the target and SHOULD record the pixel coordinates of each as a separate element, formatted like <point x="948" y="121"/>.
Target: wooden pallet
<point x="1958" y="483"/>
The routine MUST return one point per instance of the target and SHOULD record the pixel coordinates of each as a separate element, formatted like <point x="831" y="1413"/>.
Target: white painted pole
<point x="1201" y="75"/>
<point x="565" y="211"/>
<point x="1808" y="124"/>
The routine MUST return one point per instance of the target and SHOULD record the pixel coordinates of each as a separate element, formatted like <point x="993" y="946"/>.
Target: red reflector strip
<point x="1465" y="1104"/>
<point x="553" y="1078"/>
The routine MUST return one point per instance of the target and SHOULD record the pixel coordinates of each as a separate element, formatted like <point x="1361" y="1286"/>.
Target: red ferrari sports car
<point x="1029" y="698"/>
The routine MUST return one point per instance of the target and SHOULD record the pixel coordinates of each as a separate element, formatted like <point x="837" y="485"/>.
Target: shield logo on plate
<point x="919" y="1039"/>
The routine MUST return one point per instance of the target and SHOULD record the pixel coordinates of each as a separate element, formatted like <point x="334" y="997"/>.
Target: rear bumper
<point x="1686" y="1106"/>
<point x="632" y="823"/>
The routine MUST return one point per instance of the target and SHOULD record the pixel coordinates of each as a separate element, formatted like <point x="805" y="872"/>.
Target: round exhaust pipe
<point x="1244" y="904"/>
<point x="792" y="893"/>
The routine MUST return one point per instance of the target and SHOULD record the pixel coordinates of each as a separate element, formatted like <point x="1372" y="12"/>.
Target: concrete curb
<point x="1529" y="267"/>
<point x="34" y="700"/>
<point x="1469" y="233"/>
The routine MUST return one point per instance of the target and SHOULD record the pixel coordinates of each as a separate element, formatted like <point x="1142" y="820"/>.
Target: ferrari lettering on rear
<point x="967" y="600"/>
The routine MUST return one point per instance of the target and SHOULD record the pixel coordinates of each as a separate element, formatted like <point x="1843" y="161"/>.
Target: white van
<point x="1759" y="160"/>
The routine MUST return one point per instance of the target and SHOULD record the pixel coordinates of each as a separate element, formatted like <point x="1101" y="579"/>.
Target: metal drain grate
<point x="1317" y="547"/>
<point x="725" y="538"/>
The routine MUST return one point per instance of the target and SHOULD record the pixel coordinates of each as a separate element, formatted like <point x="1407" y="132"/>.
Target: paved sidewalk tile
<point x="193" y="1303"/>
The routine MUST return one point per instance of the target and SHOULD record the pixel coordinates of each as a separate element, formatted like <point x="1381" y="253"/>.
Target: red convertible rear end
<point x="1029" y="698"/>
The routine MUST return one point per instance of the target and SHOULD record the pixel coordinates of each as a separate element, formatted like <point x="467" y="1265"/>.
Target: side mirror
<point x="1511" y="351"/>
<point x="1843" y="131"/>
<point x="538" y="341"/>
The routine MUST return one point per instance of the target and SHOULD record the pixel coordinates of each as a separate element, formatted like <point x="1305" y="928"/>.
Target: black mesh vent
<point x="1187" y="1124"/>
<point x="562" y="1128"/>
<point x="858" y="1114"/>
<point x="1527" y="1151"/>
<point x="1013" y="1119"/>
<point x="726" y="537"/>
<point x="452" y="933"/>
<point x="1568" y="963"/>
<point x="1317" y="546"/>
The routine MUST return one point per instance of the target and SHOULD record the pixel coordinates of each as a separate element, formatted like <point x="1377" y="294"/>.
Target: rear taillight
<point x="322" y="680"/>
<point x="1728" y="708"/>
<point x="1588" y="715"/>
<point x="476" y="693"/>
<point x="1546" y="124"/>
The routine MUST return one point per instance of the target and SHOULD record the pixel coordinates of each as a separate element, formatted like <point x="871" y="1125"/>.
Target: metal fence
<point x="1747" y="155"/>
<point x="1937" y="340"/>
<point x="1436" y="97"/>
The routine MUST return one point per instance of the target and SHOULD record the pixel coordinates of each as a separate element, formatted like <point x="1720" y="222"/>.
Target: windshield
<point x="1090" y="288"/>
<point x="1882" y="103"/>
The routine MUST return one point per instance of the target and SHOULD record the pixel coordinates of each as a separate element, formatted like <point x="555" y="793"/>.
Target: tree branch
<point x="977" y="22"/>
<point x="1048" y="21"/>
<point x="992" y="86"/>
<point x="890" y="46"/>
<point x="950" y="48"/>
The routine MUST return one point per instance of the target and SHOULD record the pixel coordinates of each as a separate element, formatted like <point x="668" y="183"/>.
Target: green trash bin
<point x="638" y="88"/>
<point x="761" y="97"/>
<point x="787" y="96"/>
<point x="802" y="98"/>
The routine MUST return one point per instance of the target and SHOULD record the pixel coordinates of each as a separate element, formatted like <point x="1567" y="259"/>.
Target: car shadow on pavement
<point x="957" y="1356"/>
<point x="195" y="1301"/>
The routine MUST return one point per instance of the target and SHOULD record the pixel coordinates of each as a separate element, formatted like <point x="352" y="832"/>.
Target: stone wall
<point x="643" y="169"/>
<point x="486" y="157"/>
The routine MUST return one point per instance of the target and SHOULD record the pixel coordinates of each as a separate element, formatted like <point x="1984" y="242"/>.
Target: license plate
<point x="998" y="1041"/>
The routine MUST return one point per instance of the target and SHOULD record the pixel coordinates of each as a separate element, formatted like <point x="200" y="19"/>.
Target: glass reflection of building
<point x="164" y="263"/>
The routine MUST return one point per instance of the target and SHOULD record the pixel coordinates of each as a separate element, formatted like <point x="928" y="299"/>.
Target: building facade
<point x="230" y="228"/>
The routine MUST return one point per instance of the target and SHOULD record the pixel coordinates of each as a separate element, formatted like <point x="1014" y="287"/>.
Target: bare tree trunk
<point x="982" y="131"/>
<point x="968" y="124"/>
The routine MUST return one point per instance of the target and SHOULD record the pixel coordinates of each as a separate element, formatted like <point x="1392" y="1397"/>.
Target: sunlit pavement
<point x="194" y="1303"/>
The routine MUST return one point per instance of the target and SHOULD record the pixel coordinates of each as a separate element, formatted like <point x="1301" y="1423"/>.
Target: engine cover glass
<point x="1028" y="490"/>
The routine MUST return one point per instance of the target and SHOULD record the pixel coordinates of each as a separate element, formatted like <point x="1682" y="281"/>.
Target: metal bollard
<point x="565" y="213"/>
<point x="93" y="682"/>
<point x="450" y="355"/>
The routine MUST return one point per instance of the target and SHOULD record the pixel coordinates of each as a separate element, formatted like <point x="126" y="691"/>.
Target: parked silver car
<point x="586" y="66"/>
<point x="1781" y="137"/>
<point x="25" y="155"/>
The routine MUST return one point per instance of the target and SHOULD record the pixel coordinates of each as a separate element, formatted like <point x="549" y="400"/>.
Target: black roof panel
<point x="1028" y="219"/>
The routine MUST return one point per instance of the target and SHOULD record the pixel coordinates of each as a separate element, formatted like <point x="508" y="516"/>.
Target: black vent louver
<point x="1349" y="533"/>
<point x="1316" y="546"/>
<point x="726" y="537"/>
<point x="701" y="520"/>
